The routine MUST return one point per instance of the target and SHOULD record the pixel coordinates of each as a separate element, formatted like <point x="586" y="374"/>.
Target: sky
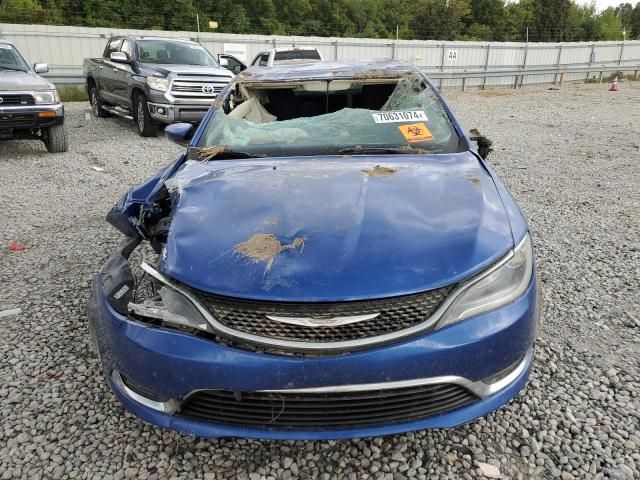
<point x="602" y="4"/>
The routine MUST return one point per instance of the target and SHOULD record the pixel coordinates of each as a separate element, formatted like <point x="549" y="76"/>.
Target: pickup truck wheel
<point x="96" y="104"/>
<point x="55" y="139"/>
<point x="147" y="127"/>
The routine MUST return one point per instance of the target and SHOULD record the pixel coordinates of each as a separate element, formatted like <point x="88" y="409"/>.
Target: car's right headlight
<point x="492" y="289"/>
<point x="156" y="83"/>
<point x="171" y="307"/>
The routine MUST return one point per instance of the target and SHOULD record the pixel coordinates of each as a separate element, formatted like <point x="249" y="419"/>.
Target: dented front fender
<point x="133" y="213"/>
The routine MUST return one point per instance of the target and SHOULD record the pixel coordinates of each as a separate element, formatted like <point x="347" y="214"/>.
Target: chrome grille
<point x="198" y="86"/>
<point x="326" y="410"/>
<point x="394" y="314"/>
<point x="13" y="99"/>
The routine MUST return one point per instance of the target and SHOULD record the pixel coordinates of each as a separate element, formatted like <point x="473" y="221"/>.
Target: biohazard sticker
<point x="416" y="132"/>
<point x="396" y="117"/>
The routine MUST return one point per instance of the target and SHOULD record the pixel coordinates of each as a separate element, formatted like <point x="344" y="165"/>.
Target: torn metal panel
<point x="116" y="277"/>
<point x="329" y="70"/>
<point x="138" y="210"/>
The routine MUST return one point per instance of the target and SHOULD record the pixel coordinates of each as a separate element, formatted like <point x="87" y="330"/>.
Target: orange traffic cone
<point x="614" y="85"/>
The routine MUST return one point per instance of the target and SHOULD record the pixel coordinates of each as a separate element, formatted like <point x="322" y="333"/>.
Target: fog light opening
<point x="496" y="377"/>
<point x="502" y="379"/>
<point x="141" y="396"/>
<point x="140" y="390"/>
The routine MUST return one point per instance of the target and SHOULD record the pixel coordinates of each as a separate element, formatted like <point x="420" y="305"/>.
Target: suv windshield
<point x="10" y="59"/>
<point x="177" y="53"/>
<point x="404" y="116"/>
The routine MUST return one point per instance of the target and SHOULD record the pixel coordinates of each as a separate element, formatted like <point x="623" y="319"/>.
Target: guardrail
<point x="518" y="74"/>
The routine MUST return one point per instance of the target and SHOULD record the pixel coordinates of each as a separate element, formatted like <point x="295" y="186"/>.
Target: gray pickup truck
<point x="154" y="81"/>
<point x="30" y="107"/>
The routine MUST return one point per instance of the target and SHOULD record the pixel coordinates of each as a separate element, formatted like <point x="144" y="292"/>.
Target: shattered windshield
<point x="402" y="117"/>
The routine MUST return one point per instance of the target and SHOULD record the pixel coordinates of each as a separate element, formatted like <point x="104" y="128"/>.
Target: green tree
<point x="485" y="20"/>
<point x="518" y="16"/>
<point x="478" y="32"/>
<point x="398" y="14"/>
<point x="488" y="19"/>
<point x="22" y="11"/>
<point x="635" y="22"/>
<point x="624" y="12"/>
<point x="292" y="14"/>
<point x="609" y="25"/>
<point x="441" y="19"/>
<point x="551" y="20"/>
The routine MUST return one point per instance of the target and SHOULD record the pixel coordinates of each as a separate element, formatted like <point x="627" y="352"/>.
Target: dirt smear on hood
<point x="265" y="247"/>
<point x="474" y="180"/>
<point x="379" y="171"/>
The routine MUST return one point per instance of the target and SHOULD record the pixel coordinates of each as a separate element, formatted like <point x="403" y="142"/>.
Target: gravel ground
<point x="572" y="159"/>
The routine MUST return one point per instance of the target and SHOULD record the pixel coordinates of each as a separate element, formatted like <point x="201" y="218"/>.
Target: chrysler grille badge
<point x="207" y="89"/>
<point x="1" y="99"/>
<point x="323" y="322"/>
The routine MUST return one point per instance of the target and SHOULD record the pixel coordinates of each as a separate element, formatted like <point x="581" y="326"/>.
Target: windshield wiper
<point x="228" y="154"/>
<point x="383" y="150"/>
<point x="12" y="68"/>
<point x="218" y="153"/>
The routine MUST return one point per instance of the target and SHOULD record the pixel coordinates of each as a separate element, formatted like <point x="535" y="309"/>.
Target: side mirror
<point x="179" y="133"/>
<point x="40" y="67"/>
<point x="119" y="57"/>
<point x="482" y="142"/>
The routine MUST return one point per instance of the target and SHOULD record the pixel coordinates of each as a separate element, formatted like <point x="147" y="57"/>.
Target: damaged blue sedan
<point x="332" y="257"/>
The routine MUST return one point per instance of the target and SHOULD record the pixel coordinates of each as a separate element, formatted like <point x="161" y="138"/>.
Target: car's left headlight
<point x="48" y="97"/>
<point x="499" y="286"/>
<point x="157" y="83"/>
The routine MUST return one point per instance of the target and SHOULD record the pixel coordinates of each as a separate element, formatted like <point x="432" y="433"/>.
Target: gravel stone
<point x="569" y="157"/>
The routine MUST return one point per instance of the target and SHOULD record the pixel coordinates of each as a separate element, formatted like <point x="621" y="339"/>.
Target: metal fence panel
<point x="450" y="64"/>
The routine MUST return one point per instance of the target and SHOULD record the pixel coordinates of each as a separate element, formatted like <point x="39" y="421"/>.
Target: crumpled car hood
<point x="328" y="229"/>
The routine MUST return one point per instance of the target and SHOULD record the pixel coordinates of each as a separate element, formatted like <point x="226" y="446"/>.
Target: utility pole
<point x="527" y="34"/>
<point x="198" y="22"/>
<point x="397" y="31"/>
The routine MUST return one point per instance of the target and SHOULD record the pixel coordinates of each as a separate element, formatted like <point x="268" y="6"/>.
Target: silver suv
<point x="30" y="107"/>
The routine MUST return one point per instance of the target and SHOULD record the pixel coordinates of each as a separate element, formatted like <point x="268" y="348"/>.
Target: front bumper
<point x="172" y="365"/>
<point x="170" y="113"/>
<point x="27" y="117"/>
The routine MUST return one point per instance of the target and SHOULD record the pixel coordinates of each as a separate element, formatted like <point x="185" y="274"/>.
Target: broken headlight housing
<point x="169" y="307"/>
<point x="499" y="286"/>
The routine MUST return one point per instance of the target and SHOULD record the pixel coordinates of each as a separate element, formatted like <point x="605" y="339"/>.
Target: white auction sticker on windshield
<point x="396" y="117"/>
<point x="6" y="46"/>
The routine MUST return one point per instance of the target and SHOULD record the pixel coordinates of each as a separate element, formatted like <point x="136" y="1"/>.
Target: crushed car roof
<point x="329" y="70"/>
